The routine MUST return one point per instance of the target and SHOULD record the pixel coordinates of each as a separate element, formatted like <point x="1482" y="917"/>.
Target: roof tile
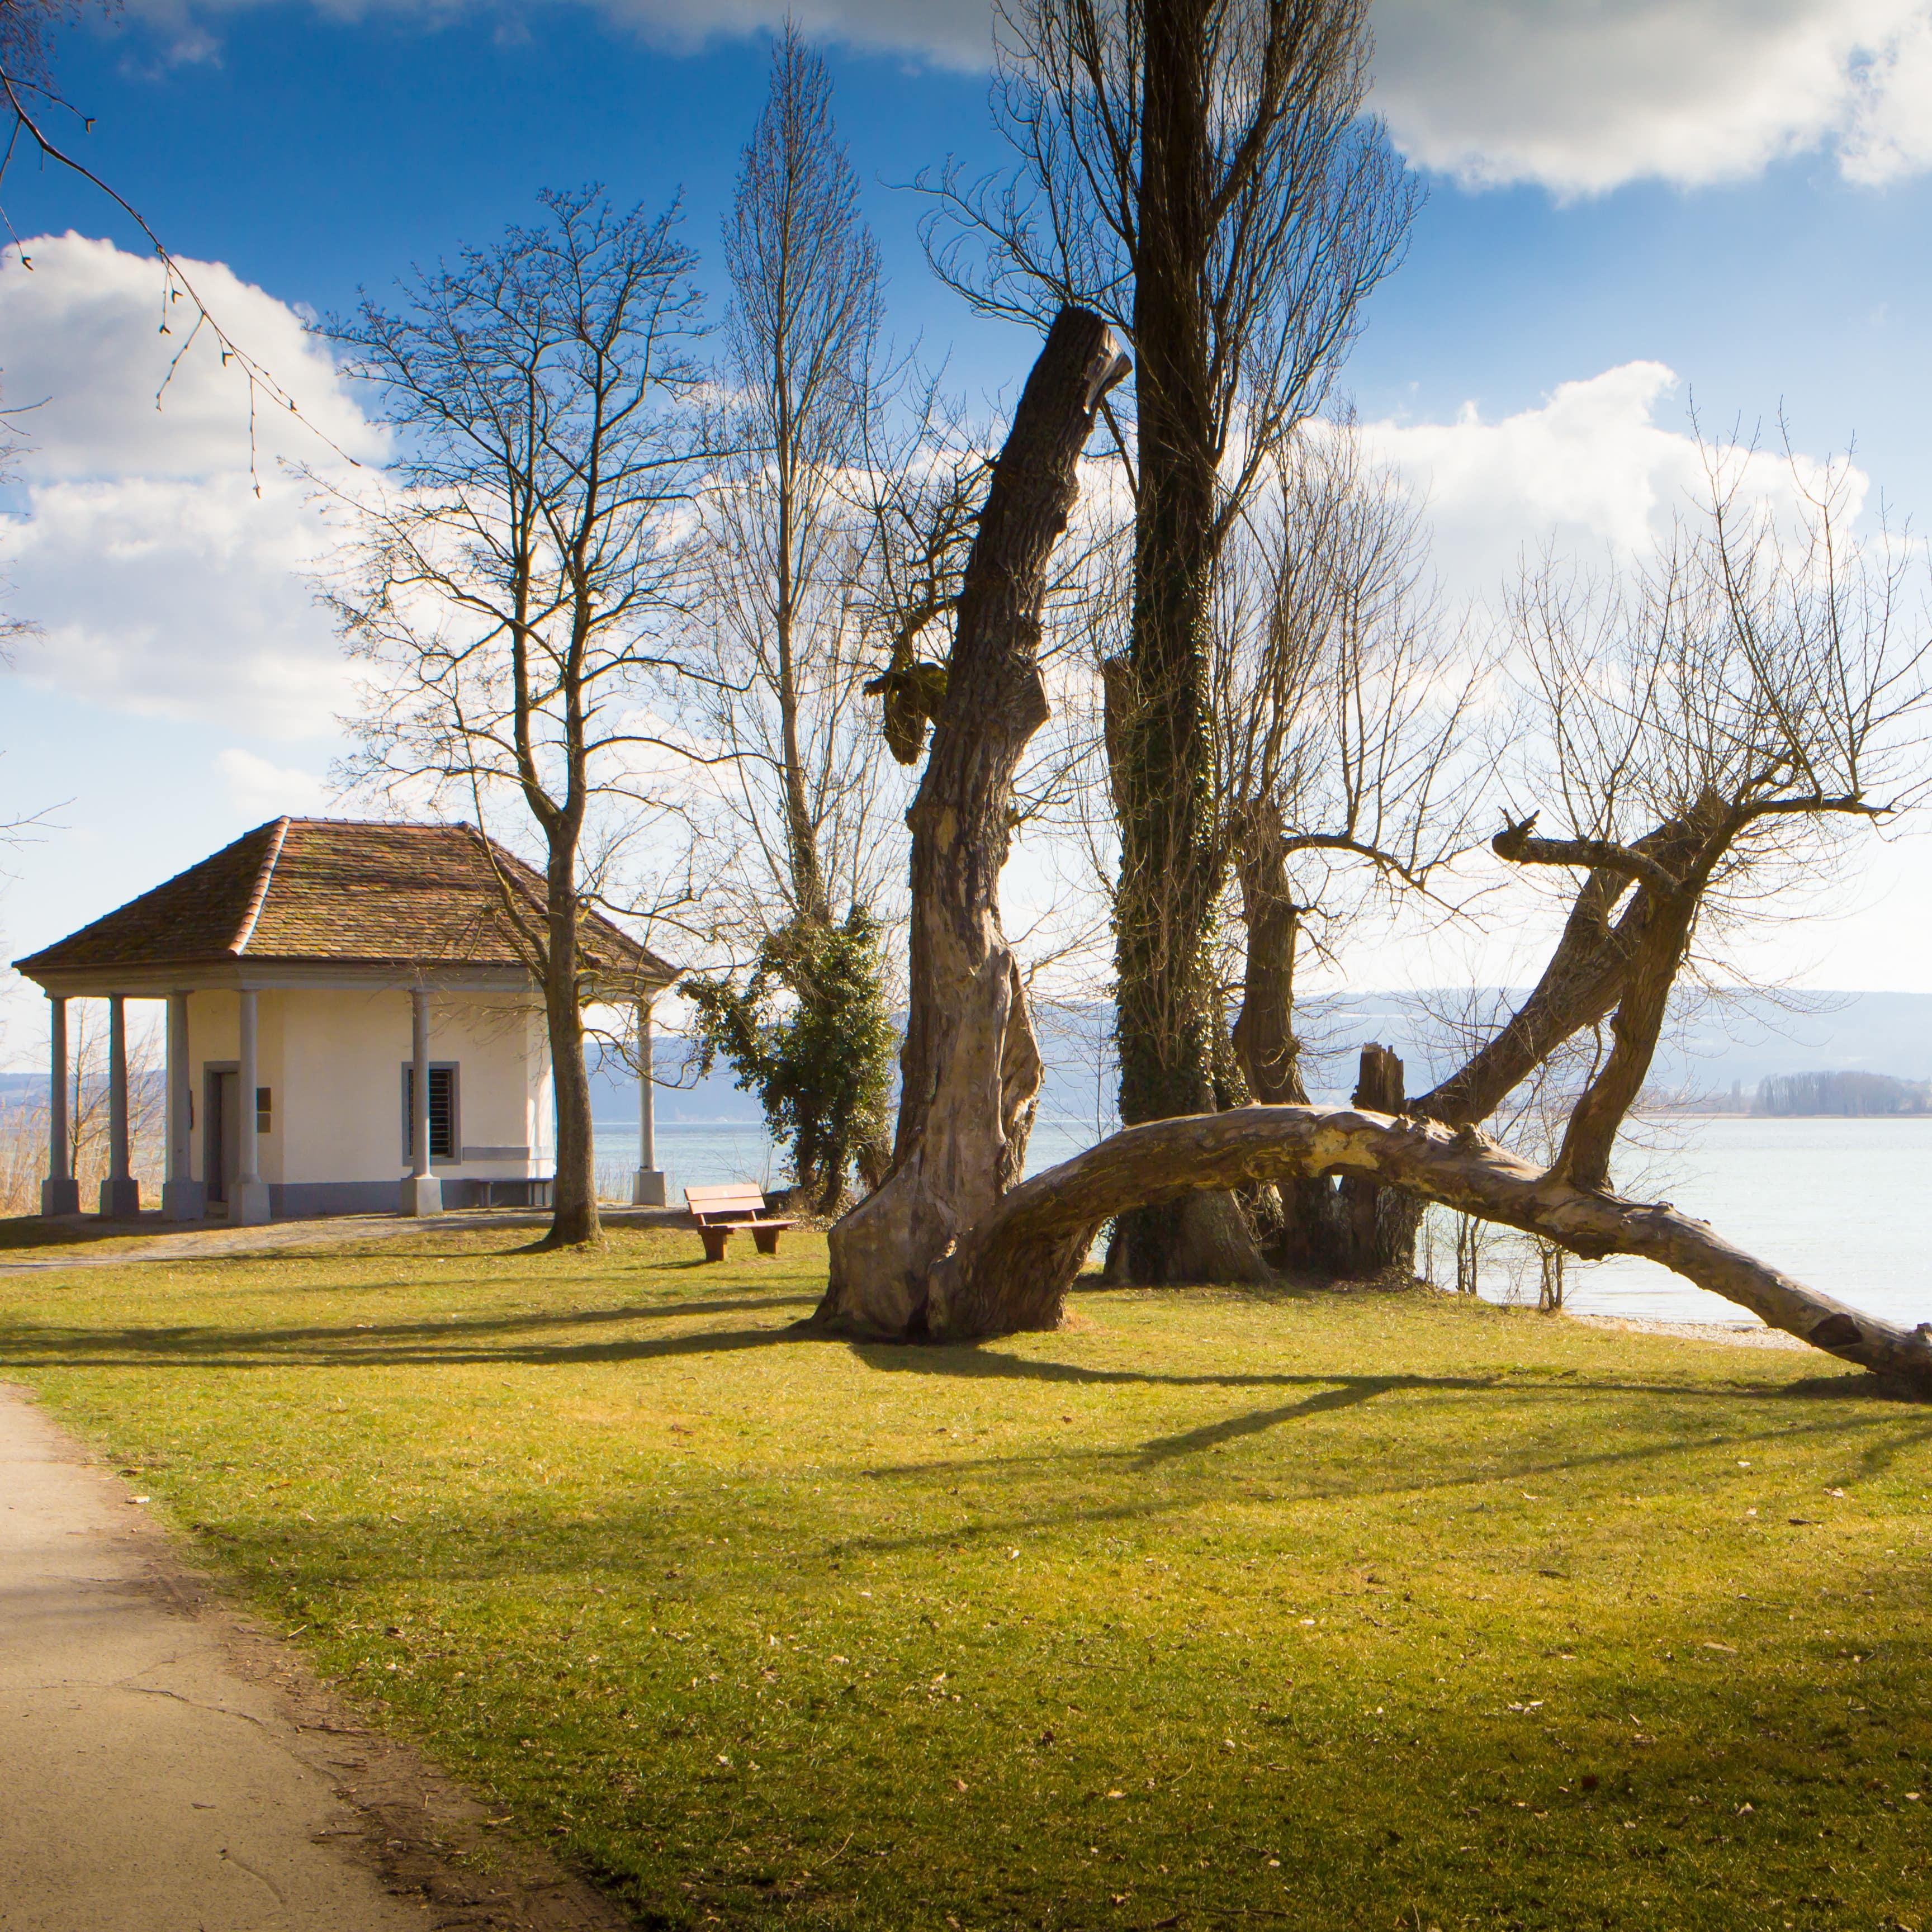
<point x="339" y="890"/>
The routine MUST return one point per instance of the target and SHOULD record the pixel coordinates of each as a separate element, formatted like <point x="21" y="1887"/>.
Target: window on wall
<point x="442" y="1094"/>
<point x="264" y="1114"/>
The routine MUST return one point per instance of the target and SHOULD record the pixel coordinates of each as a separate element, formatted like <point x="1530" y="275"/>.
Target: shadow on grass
<point x="515" y="1535"/>
<point x="1389" y="1477"/>
<point x="453" y="1343"/>
<point x="994" y="1364"/>
<point x="1162" y="1477"/>
<point x="542" y="1338"/>
<point x="25" y="1233"/>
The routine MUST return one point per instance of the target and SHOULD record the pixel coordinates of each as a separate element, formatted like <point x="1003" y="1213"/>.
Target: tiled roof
<point x="341" y="891"/>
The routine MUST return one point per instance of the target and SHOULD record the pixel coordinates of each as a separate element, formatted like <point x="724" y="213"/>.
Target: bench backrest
<point x="711" y="1204"/>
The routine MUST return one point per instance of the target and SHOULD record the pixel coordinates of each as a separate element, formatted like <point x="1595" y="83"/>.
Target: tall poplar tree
<point x="804" y="828"/>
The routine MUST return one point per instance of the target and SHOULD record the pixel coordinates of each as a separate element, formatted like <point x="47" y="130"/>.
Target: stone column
<point x="422" y="1192"/>
<point x="183" y="1195"/>
<point x="647" y="1184"/>
<point x="120" y="1193"/>
<point x="250" y="1206"/>
<point x="60" y="1192"/>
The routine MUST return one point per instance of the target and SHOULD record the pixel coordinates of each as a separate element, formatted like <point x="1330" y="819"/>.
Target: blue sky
<point x="317" y="154"/>
<point x="1737" y="190"/>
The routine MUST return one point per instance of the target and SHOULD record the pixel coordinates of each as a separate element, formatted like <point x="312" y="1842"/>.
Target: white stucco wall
<point x="333" y="1061"/>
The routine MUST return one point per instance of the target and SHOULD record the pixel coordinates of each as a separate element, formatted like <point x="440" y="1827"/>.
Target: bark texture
<point x="1012" y="1270"/>
<point x="1166" y="1011"/>
<point x="1265" y="1043"/>
<point x="1580" y="986"/>
<point x="971" y="1069"/>
<point x="1264" y="1035"/>
<point x="574" y="1215"/>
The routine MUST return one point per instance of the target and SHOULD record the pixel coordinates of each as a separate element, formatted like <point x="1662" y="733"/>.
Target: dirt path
<point x="172" y="1767"/>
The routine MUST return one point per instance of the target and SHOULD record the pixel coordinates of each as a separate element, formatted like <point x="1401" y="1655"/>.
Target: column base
<point x="647" y="1187"/>
<point x="248" y="1204"/>
<point x="120" y="1198"/>
<point x="60" y="1197"/>
<point x="422" y="1194"/>
<point x="184" y="1200"/>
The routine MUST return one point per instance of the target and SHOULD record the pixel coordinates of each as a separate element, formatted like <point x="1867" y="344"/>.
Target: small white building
<point x="365" y="985"/>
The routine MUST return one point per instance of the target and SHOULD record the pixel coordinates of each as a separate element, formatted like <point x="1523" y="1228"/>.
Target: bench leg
<point x="714" y="1240"/>
<point x="767" y="1239"/>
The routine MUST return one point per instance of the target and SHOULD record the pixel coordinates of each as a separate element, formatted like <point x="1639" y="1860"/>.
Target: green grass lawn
<point x="1214" y="1608"/>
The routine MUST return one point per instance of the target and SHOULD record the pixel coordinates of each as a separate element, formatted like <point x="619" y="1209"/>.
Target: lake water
<point x="1839" y="1203"/>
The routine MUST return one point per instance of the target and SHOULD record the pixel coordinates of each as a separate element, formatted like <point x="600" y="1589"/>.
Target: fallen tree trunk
<point x="1012" y="1269"/>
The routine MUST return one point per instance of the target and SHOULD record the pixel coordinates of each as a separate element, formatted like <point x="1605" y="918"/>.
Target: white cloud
<point x="263" y="789"/>
<point x="85" y="357"/>
<point x="165" y="575"/>
<point x="1891" y="132"/>
<point x="1589" y="471"/>
<point x="1584" y="95"/>
<point x="955" y="33"/>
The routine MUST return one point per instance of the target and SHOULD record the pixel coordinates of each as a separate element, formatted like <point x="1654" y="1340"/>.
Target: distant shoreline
<point x="1748" y="1113"/>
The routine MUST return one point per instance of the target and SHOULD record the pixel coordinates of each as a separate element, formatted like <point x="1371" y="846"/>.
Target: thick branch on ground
<point x="971" y="1069"/>
<point x="1012" y="1269"/>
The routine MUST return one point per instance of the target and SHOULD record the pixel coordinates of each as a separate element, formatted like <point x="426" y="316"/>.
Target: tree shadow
<point x="1214" y="1435"/>
<point x="1351" y="1484"/>
<point x="1088" y="1486"/>
<point x="975" y="1360"/>
<point x="452" y="1343"/>
<point x="515" y="1536"/>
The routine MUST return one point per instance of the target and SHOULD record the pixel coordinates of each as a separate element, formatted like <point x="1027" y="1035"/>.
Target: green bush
<point x="809" y="1034"/>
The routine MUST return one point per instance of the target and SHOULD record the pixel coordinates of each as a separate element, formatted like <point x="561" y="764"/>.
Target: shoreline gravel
<point x="1696" y="1331"/>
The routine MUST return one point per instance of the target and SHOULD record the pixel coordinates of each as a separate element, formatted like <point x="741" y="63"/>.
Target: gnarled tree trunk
<point x="1012" y="1269"/>
<point x="971" y="1069"/>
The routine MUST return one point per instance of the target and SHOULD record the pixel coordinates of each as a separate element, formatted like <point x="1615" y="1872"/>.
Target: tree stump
<point x="1376" y="1225"/>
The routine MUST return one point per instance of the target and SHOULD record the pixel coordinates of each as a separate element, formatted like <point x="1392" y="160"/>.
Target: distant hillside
<point x="1717" y="1044"/>
<point x="1714" y="1043"/>
<point x="1720" y="1042"/>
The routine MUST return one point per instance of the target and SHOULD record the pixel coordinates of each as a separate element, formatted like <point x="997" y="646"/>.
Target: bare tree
<point x="512" y="589"/>
<point x="821" y="551"/>
<point x="88" y="1100"/>
<point x="785" y="548"/>
<point x="1201" y="172"/>
<point x="1716" y="721"/>
<point x="23" y="1119"/>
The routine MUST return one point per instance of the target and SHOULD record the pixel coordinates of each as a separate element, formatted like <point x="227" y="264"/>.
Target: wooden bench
<point x="718" y="1211"/>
